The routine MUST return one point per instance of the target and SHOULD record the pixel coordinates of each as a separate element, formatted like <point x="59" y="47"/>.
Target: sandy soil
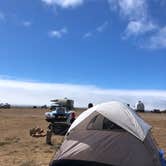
<point x="17" y="148"/>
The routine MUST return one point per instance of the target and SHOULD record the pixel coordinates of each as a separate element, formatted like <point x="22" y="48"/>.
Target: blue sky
<point x="106" y="44"/>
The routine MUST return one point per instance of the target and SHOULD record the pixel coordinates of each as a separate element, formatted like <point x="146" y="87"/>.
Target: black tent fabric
<point x="76" y="163"/>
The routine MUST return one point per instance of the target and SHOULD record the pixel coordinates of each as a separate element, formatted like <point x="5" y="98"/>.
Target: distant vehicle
<point x="5" y="106"/>
<point x="44" y="107"/>
<point x="156" y="111"/>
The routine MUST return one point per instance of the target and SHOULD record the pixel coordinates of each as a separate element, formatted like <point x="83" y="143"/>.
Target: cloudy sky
<point x="88" y="50"/>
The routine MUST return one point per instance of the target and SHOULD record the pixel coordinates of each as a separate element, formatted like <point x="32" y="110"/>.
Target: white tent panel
<point x="120" y="114"/>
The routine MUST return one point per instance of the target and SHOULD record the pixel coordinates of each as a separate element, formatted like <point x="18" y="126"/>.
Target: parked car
<point x="60" y="114"/>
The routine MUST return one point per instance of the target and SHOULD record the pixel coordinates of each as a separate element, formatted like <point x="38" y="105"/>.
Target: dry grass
<point x="28" y="163"/>
<point x="17" y="148"/>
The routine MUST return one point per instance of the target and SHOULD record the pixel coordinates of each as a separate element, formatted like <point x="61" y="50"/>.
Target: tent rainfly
<point x="108" y="134"/>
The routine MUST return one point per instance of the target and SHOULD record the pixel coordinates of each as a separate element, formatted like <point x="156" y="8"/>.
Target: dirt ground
<point x="17" y="148"/>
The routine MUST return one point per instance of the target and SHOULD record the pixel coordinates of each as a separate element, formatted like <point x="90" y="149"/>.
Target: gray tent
<point x="108" y="134"/>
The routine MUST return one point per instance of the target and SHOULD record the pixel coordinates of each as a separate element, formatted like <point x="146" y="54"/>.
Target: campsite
<point x="82" y="83"/>
<point x="18" y="148"/>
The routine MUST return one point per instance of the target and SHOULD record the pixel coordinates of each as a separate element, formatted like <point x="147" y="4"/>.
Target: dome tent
<point x="108" y="134"/>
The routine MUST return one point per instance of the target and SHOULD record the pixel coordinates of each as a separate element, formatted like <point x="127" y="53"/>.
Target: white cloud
<point x="58" y="33"/>
<point x="139" y="27"/>
<point x="139" y="22"/>
<point x="132" y="9"/>
<point x="87" y="35"/>
<point x="64" y="3"/>
<point x="27" y="23"/>
<point x="136" y="14"/>
<point x="158" y="40"/>
<point x="33" y="93"/>
<point x="99" y="29"/>
<point x="102" y="27"/>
